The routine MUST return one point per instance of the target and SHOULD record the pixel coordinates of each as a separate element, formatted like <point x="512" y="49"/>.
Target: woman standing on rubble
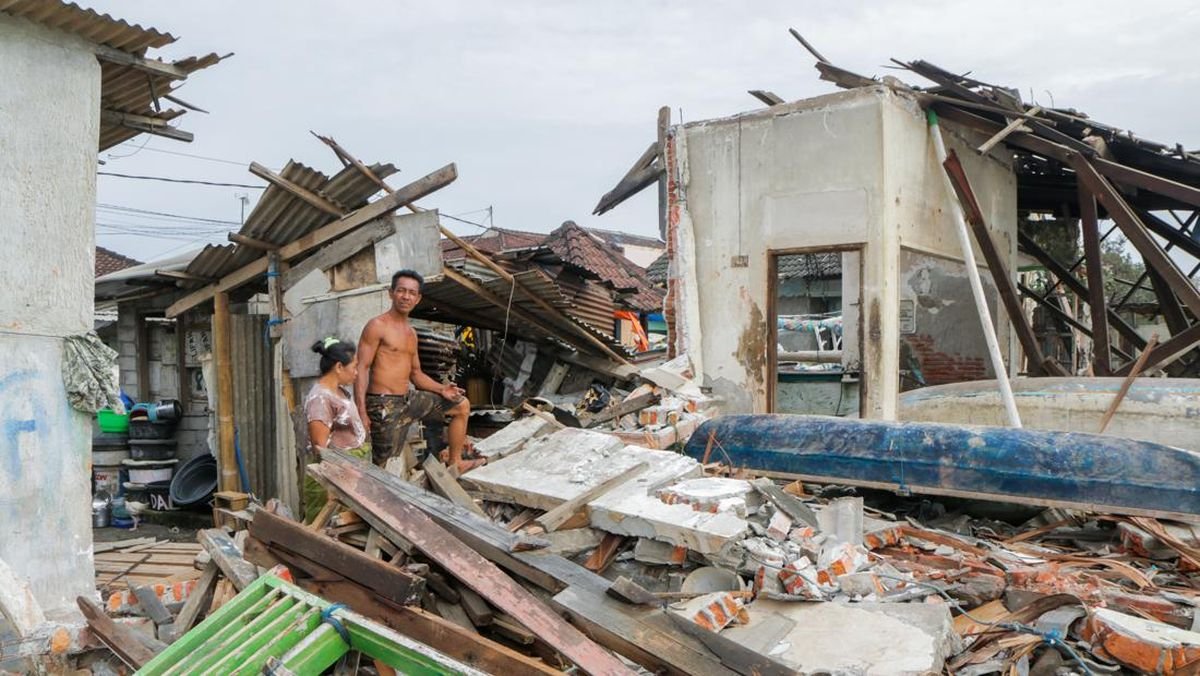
<point x="333" y="420"/>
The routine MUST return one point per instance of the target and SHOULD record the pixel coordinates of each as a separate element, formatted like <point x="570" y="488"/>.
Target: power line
<point x="196" y="157"/>
<point x="182" y="180"/>
<point x="135" y="210"/>
<point x="481" y="226"/>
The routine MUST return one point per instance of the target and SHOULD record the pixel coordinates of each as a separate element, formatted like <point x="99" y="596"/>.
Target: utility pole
<point x="244" y="198"/>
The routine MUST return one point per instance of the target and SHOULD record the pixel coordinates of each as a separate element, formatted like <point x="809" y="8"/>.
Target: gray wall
<point x="49" y="130"/>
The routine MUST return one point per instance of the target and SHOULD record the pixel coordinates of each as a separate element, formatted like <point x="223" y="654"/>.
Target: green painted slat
<point x="404" y="659"/>
<point x="263" y="633"/>
<point x="163" y="663"/>
<point x="220" y="649"/>
<point x="233" y="624"/>
<point x="317" y="652"/>
<point x="290" y="637"/>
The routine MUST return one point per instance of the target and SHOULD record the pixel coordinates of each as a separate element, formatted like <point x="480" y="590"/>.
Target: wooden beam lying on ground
<point x="447" y="486"/>
<point x="227" y="557"/>
<point x="381" y="207"/>
<point x="388" y="581"/>
<point x="124" y="641"/>
<point x="392" y="515"/>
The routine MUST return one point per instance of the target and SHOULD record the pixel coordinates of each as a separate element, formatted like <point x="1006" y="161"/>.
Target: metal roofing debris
<point x="281" y="217"/>
<point x="130" y="84"/>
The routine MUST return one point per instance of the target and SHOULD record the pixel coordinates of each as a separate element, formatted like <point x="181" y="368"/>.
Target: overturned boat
<point x="1054" y="469"/>
<point x="1160" y="410"/>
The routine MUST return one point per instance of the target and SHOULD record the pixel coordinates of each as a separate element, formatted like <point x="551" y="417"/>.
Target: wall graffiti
<point x="20" y="417"/>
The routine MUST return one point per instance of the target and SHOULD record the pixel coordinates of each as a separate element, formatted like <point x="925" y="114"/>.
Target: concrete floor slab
<point x="856" y="638"/>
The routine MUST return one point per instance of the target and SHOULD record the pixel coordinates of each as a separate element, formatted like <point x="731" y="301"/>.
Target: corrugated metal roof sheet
<point x="446" y="301"/>
<point x="280" y="217"/>
<point x="123" y="89"/>
<point x="88" y="24"/>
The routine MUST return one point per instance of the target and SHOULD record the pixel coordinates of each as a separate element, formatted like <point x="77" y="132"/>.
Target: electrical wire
<point x="134" y="210"/>
<point x="182" y="180"/>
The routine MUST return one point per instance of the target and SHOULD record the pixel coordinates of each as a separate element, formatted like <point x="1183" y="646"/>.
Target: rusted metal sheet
<point x="254" y="403"/>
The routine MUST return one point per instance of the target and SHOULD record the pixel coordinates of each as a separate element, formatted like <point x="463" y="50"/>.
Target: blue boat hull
<point x="1065" y="469"/>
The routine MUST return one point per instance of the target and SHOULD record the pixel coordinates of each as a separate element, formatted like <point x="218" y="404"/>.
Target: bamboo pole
<point x="222" y="351"/>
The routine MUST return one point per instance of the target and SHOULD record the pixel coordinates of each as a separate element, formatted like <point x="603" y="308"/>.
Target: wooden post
<point x="226" y="455"/>
<point x="664" y="122"/>
<point x="1101" y="361"/>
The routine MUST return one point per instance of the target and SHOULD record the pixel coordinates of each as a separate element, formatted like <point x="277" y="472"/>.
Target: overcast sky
<point x="543" y="106"/>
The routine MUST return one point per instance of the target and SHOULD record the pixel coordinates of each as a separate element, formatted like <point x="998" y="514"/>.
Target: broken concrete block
<point x="843" y="519"/>
<point x="513" y="437"/>
<point x="800" y="579"/>
<point x="713" y="611"/>
<point x="647" y="517"/>
<point x="657" y="553"/>
<point x="665" y="437"/>
<point x="779" y="526"/>
<point x="552" y="469"/>
<point x="662" y="414"/>
<point x="571" y="542"/>
<point x="1147" y="646"/>
<point x="853" y="638"/>
<point x="712" y="494"/>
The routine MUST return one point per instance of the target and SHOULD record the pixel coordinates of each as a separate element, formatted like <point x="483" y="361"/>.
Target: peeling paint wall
<point x="49" y="129"/>
<point x="853" y="169"/>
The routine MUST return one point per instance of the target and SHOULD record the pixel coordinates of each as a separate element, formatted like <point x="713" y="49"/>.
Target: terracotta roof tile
<point x="108" y="261"/>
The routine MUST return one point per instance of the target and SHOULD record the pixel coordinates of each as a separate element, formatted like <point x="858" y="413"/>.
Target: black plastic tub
<point x="194" y="481"/>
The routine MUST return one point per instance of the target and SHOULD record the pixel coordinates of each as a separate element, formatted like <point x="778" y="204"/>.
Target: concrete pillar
<point x="49" y="129"/>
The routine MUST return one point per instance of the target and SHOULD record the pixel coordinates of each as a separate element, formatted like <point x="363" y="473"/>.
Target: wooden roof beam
<point x="389" y="203"/>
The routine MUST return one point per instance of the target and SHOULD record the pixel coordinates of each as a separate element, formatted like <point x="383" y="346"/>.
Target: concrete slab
<point x="856" y="638"/>
<point x="513" y="437"/>
<point x="552" y="469"/>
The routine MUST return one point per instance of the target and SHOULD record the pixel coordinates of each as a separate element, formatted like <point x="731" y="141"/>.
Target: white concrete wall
<point x="850" y="169"/>
<point x="49" y="127"/>
<point x="642" y="255"/>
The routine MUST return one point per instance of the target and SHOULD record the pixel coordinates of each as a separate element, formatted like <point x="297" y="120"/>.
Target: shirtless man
<point x="389" y="377"/>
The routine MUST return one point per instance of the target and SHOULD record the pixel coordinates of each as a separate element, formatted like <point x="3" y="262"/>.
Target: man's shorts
<point x="391" y="415"/>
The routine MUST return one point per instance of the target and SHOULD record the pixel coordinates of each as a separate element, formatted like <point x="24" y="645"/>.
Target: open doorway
<point x="815" y="323"/>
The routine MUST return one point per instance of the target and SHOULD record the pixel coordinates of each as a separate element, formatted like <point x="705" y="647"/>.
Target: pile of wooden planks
<point x="140" y="561"/>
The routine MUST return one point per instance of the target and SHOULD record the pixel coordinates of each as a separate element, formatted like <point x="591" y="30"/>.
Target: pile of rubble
<point x="575" y="547"/>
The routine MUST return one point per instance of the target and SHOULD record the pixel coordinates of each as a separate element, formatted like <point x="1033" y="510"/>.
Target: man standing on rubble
<point x="392" y="392"/>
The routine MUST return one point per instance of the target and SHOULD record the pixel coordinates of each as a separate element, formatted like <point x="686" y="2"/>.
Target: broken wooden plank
<point x="629" y="591"/>
<point x="624" y="408"/>
<point x="767" y="97"/>
<point x="1016" y="124"/>
<point x="604" y="553"/>
<point x="200" y="599"/>
<point x="390" y="582"/>
<point x="454" y="613"/>
<point x="390" y="513"/>
<point x="1005" y="286"/>
<point x="447" y="486"/>
<point x="561" y="514"/>
<point x="101" y="547"/>
<point x="228" y="557"/>
<point x="302" y="193"/>
<point x="133" y="650"/>
<point x="475" y="607"/>
<point x="341" y="249"/>
<point x="1168" y="351"/>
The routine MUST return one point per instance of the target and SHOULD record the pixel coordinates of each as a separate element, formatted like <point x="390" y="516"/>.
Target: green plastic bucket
<point x="111" y="422"/>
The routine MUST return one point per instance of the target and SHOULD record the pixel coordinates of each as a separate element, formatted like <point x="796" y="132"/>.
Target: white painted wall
<point x="49" y="127"/>
<point x="853" y="168"/>
<point x="642" y="255"/>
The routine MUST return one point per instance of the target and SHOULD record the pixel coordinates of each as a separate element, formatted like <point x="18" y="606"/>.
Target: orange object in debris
<point x="640" y="339"/>
<point x="1150" y="647"/>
